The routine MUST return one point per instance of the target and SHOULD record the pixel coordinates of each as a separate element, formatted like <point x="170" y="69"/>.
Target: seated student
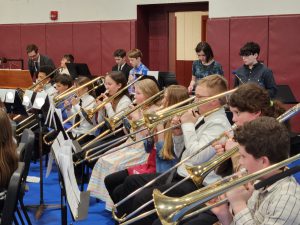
<point x="247" y="103"/>
<point x="163" y="150"/>
<point x="262" y="143"/>
<point x="45" y="85"/>
<point x="62" y="83"/>
<point x="114" y="82"/>
<point x="192" y="138"/>
<point x="85" y="100"/>
<point x="8" y="156"/>
<point x="135" y="60"/>
<point x="68" y="58"/>
<point x="121" y="64"/>
<point x="127" y="156"/>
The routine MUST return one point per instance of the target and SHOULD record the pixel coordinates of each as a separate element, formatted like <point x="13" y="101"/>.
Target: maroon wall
<point x="278" y="36"/>
<point x="90" y="42"/>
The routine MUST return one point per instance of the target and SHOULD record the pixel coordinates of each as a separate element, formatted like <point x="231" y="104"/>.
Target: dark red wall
<point x="90" y="42"/>
<point x="278" y="36"/>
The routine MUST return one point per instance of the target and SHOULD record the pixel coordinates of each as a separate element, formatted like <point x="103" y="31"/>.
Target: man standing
<point x="121" y="65"/>
<point x="36" y="60"/>
<point x="253" y="70"/>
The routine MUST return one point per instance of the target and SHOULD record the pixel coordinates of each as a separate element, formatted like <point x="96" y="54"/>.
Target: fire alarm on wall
<point x="53" y="15"/>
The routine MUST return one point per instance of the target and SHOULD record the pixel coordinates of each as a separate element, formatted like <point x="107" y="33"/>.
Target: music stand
<point x="166" y="79"/>
<point x="16" y="107"/>
<point x="285" y="94"/>
<point x="41" y="114"/>
<point x="78" y="69"/>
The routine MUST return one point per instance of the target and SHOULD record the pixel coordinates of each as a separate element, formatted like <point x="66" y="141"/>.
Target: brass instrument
<point x="152" y="119"/>
<point x="96" y="155"/>
<point x="124" y="218"/>
<point x="61" y="97"/>
<point x="117" y="119"/>
<point x="198" y="173"/>
<point x="32" y="87"/>
<point x="88" y="114"/>
<point x="172" y="210"/>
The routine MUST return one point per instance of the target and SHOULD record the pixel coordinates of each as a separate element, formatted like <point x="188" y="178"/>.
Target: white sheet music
<point x="10" y="96"/>
<point x="62" y="150"/>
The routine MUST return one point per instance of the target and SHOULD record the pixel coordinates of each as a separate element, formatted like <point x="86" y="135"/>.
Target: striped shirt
<point x="278" y="204"/>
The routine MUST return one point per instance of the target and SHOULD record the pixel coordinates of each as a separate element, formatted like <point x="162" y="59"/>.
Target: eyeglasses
<point x="33" y="56"/>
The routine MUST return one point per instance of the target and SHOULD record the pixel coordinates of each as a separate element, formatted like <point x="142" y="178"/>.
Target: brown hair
<point x="119" y="78"/>
<point x="173" y="95"/>
<point x="81" y="80"/>
<point x="134" y="53"/>
<point x="32" y="47"/>
<point x="8" y="152"/>
<point x="253" y="98"/>
<point x="264" y="136"/>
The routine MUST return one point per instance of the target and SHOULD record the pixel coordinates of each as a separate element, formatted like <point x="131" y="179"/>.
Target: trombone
<point x="62" y="96"/>
<point x="88" y="114"/>
<point x="172" y="210"/>
<point x="117" y="119"/>
<point x="152" y="119"/>
<point x="32" y="87"/>
<point x="196" y="173"/>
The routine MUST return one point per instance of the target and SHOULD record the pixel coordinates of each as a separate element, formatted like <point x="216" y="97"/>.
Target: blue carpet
<point x="96" y="215"/>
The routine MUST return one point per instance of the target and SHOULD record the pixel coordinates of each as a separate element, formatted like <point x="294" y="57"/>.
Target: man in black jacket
<point x="121" y="65"/>
<point x="36" y="60"/>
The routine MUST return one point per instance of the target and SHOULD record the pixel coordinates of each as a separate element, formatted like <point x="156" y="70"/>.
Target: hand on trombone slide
<point x="102" y="97"/>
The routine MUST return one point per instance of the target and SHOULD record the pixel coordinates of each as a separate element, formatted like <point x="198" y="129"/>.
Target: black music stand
<point x="78" y="69"/>
<point x="16" y="107"/>
<point x="166" y="79"/>
<point x="41" y="114"/>
<point x="285" y="94"/>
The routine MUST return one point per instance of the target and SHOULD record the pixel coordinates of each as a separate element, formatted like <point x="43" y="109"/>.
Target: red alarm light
<point x="53" y="15"/>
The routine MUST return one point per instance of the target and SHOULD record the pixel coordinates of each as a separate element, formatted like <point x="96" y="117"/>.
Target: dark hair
<point x="251" y="97"/>
<point x="8" y="152"/>
<point x="64" y="79"/>
<point x="134" y="53"/>
<point x="119" y="53"/>
<point x="264" y="136"/>
<point x="205" y="47"/>
<point x="119" y="78"/>
<point x="32" y="47"/>
<point x="47" y="70"/>
<point x="250" y="48"/>
<point x="69" y="57"/>
<point x="81" y="80"/>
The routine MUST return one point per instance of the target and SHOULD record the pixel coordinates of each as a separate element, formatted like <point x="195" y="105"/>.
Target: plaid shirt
<point x="277" y="204"/>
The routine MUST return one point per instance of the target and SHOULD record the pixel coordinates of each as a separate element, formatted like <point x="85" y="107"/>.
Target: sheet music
<point x="2" y="94"/>
<point x="27" y="98"/>
<point x="62" y="150"/>
<point x="10" y="96"/>
<point x="153" y="73"/>
<point x="39" y="100"/>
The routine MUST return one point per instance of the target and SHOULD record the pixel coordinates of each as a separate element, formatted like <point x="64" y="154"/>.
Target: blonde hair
<point x="217" y="84"/>
<point x="173" y="95"/>
<point x="134" y="53"/>
<point x="8" y="150"/>
<point x="148" y="87"/>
